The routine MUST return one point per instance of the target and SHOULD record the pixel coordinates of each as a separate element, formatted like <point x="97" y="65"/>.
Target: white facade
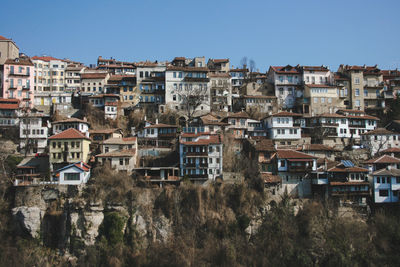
<point x="60" y="126"/>
<point x="379" y="140"/>
<point x="282" y="127"/>
<point x="33" y="132"/>
<point x="386" y="186"/>
<point x="73" y="175"/>
<point x="49" y="74"/>
<point x="202" y="157"/>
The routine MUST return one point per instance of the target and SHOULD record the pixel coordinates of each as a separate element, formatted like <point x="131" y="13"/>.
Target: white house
<point x="200" y="156"/>
<point x="379" y="140"/>
<point x="73" y="174"/>
<point x="294" y="168"/>
<point x="33" y="132"/>
<point x="78" y="124"/>
<point x="386" y="185"/>
<point x="358" y="122"/>
<point x="283" y="126"/>
<point x="287" y="80"/>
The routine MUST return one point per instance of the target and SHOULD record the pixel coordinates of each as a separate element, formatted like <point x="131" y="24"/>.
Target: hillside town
<point x="310" y="130"/>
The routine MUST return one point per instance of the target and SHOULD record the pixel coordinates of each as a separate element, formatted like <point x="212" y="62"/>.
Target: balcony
<point x="26" y="88"/>
<point x="300" y="169"/>
<point x="196" y="79"/>
<point x="327" y="124"/>
<point x="354" y="125"/>
<point x="13" y="73"/>
<point x="196" y="154"/>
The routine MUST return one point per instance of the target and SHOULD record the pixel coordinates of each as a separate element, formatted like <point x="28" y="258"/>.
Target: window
<point x="357" y="80"/>
<point x="210" y="160"/>
<point x="357" y="92"/>
<point x="54" y="144"/>
<point x="71" y="176"/>
<point x="121" y="161"/>
<point x="322" y="100"/>
<point x="282" y="163"/>
<point x="383" y="193"/>
<point x="358" y="103"/>
<point x="365" y="92"/>
<point x="210" y="149"/>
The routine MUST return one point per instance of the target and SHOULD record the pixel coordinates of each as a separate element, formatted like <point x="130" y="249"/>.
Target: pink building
<point x="18" y="81"/>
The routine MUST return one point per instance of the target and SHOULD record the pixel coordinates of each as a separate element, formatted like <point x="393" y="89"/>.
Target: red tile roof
<point x="70" y="133"/>
<point x="46" y="58"/>
<point x="104" y="131"/>
<point x="192" y="69"/>
<point x="223" y="60"/>
<point x="83" y="166"/>
<point x="348" y="183"/>
<point x="19" y="61"/>
<point x="270" y="178"/>
<point x="70" y="120"/>
<point x="383" y="159"/>
<point x="379" y="131"/>
<point x="292" y="154"/>
<point x="100" y="75"/>
<point x="391" y="150"/>
<point x="331" y="115"/>
<point x="285" y="69"/>
<point x="265" y="145"/>
<point x="349" y="169"/>
<point x="315" y="68"/>
<point x="238" y="115"/>
<point x="3" y="38"/>
<point x="9" y="103"/>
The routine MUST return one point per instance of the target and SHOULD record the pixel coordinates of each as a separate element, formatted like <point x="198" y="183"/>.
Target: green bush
<point x="111" y="228"/>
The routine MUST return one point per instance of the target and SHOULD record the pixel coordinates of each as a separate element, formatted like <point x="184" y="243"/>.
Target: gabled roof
<point x="265" y="145"/>
<point x="98" y="75"/>
<point x="285" y="69"/>
<point x="342" y="168"/>
<point x="70" y="133"/>
<point x="383" y="159"/>
<point x="120" y="141"/>
<point x="391" y="150"/>
<point x="70" y="120"/>
<point x="3" y="38"/>
<point x="315" y="68"/>
<point x="285" y="114"/>
<point x="161" y="125"/>
<point x="292" y="154"/>
<point x="213" y="139"/>
<point x="238" y="115"/>
<point x="80" y="165"/>
<point x="331" y="115"/>
<point x="386" y="172"/>
<point x="316" y="147"/>
<point x="45" y="58"/>
<point x="379" y="131"/>
<point x="105" y="131"/>
<point x="270" y="178"/>
<point x="19" y="62"/>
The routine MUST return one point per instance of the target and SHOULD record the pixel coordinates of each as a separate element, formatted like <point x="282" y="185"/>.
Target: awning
<point x="301" y="160"/>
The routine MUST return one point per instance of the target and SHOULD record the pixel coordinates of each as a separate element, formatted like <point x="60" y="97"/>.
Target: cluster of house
<point x="309" y="116"/>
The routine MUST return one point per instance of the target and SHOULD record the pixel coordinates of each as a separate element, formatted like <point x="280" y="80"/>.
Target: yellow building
<point x="68" y="147"/>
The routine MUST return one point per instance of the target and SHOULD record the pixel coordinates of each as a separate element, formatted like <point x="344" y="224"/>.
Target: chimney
<point x="157" y="121"/>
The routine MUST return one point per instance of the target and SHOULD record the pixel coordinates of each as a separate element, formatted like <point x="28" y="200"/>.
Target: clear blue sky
<point x="309" y="32"/>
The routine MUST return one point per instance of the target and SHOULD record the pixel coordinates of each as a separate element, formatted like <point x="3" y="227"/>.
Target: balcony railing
<point x="196" y="154"/>
<point x="299" y="169"/>
<point x="20" y="73"/>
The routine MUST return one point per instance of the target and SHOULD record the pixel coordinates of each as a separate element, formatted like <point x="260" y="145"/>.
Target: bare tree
<point x="243" y="62"/>
<point x="252" y="66"/>
<point x="191" y="99"/>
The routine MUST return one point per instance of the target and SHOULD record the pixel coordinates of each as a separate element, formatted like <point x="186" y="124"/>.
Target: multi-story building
<point x="287" y="83"/>
<point x="9" y="112"/>
<point x="78" y="124"/>
<point x="386" y="185"/>
<point x="237" y="124"/>
<point x="94" y="82"/>
<point x="121" y="160"/>
<point x="391" y="80"/>
<point x="284" y="127"/>
<point x="382" y="162"/>
<point x="33" y="133"/>
<point x="115" y="67"/>
<point x="316" y="75"/>
<point x="8" y="49"/>
<point x="201" y="156"/>
<point x="151" y="84"/>
<point x="256" y="103"/>
<point x="380" y="139"/>
<point x="18" y="80"/>
<point x="344" y="183"/>
<point x="358" y="122"/>
<point x="295" y="169"/>
<point x="239" y="75"/>
<point x="320" y="98"/>
<point x="157" y="135"/>
<point x="218" y="65"/>
<point x="49" y="74"/>
<point x="73" y="77"/>
<point x="366" y="84"/>
<point x="68" y="147"/>
<point x="125" y="86"/>
<point x="187" y="86"/>
<point x="221" y="91"/>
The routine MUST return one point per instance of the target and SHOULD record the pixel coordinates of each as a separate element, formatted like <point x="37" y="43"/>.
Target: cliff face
<point x="63" y="218"/>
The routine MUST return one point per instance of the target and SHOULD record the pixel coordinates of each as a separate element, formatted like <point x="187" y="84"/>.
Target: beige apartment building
<point x="321" y="98"/>
<point x="49" y="75"/>
<point x="8" y="49"/>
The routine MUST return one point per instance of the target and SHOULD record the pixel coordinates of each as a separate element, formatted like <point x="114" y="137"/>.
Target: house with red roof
<point x="295" y="169"/>
<point x="18" y="79"/>
<point x="379" y="140"/>
<point x="9" y="112"/>
<point x="284" y="127"/>
<point x="201" y="156"/>
<point x="74" y="174"/>
<point x="68" y="147"/>
<point x="287" y="83"/>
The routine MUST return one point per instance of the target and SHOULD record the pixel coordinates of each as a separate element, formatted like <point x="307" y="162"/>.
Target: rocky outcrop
<point x="28" y="219"/>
